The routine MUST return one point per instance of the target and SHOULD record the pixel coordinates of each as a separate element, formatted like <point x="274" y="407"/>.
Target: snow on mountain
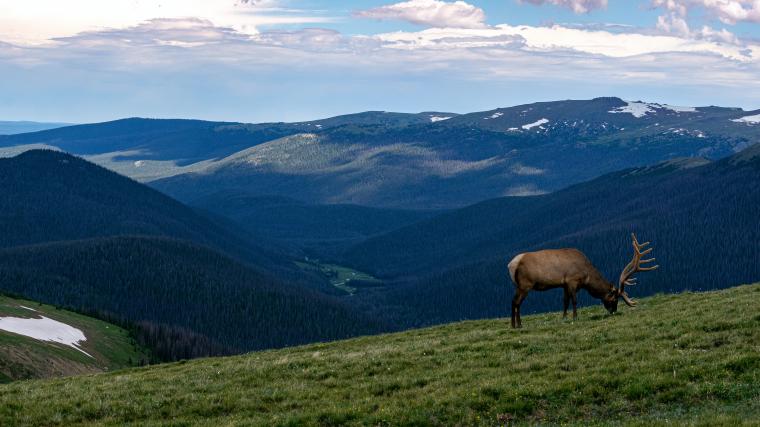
<point x="750" y="120"/>
<point x="637" y="109"/>
<point x="536" y="123"/>
<point x="438" y="118"/>
<point x="641" y="109"/>
<point x="678" y="109"/>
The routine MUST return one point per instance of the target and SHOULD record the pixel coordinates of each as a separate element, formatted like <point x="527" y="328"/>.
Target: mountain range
<point x="230" y="237"/>
<point x="421" y="161"/>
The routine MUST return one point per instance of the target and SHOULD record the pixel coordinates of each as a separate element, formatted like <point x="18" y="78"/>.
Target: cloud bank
<point x="195" y="66"/>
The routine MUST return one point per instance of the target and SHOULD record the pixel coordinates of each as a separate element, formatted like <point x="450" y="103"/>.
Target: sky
<point x="81" y="61"/>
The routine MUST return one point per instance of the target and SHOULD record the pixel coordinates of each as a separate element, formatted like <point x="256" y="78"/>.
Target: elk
<point x="571" y="270"/>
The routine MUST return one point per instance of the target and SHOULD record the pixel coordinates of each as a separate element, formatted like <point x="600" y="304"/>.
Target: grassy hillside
<point x="22" y="357"/>
<point x="677" y="359"/>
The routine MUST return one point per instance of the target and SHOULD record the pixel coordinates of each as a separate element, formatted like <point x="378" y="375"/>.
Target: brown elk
<point x="571" y="270"/>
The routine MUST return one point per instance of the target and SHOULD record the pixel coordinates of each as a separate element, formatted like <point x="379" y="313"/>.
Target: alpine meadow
<point x="380" y="213"/>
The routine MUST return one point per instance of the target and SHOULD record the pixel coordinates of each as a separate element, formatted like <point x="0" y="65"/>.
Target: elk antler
<point x="634" y="267"/>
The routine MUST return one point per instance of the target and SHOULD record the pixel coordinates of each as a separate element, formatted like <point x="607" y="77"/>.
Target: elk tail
<point x="513" y="267"/>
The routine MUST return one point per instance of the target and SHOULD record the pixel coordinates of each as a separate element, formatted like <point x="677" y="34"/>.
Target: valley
<point x="343" y="278"/>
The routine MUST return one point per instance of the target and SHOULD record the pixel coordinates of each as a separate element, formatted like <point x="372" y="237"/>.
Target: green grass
<point x="22" y="357"/>
<point x="339" y="276"/>
<point x="692" y="358"/>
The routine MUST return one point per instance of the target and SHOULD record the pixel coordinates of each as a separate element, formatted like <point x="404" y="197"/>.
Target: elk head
<point x="610" y="301"/>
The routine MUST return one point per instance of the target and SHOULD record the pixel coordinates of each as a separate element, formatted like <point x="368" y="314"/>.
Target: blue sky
<point x="286" y="60"/>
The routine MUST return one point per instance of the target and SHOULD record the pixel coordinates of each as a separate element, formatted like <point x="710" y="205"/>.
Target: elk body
<point x="570" y="270"/>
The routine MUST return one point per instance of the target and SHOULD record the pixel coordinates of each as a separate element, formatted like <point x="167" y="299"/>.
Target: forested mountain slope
<point x="52" y="196"/>
<point x="702" y="219"/>
<point x="306" y="225"/>
<point x="183" y="300"/>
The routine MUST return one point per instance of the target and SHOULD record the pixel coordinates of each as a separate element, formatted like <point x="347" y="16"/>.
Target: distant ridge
<point x="430" y="160"/>
<point x="16" y="127"/>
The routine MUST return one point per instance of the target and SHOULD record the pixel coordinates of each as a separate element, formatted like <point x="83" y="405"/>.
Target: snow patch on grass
<point x="45" y="329"/>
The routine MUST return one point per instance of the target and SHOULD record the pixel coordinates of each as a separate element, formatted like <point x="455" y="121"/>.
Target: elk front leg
<point x="574" y="298"/>
<point x="571" y="290"/>
<point x="566" y="304"/>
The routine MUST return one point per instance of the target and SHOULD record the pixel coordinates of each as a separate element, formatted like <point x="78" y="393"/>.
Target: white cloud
<point x="674" y="21"/>
<point x="577" y="6"/>
<point x="433" y="13"/>
<point x="728" y="11"/>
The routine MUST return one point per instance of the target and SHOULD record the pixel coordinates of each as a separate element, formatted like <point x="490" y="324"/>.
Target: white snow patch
<point x="637" y="109"/>
<point x="641" y="109"/>
<point x="513" y="129"/>
<point x="139" y="163"/>
<point x="438" y="118"/>
<point x="678" y="108"/>
<point x="495" y="115"/>
<point x="45" y="329"/>
<point x="536" y="123"/>
<point x="750" y="120"/>
<point x="23" y="306"/>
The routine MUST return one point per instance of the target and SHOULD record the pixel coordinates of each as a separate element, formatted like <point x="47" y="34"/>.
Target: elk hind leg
<point x="516" y="301"/>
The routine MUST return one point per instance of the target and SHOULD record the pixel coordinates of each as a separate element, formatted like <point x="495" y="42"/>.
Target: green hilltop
<point x="691" y="358"/>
